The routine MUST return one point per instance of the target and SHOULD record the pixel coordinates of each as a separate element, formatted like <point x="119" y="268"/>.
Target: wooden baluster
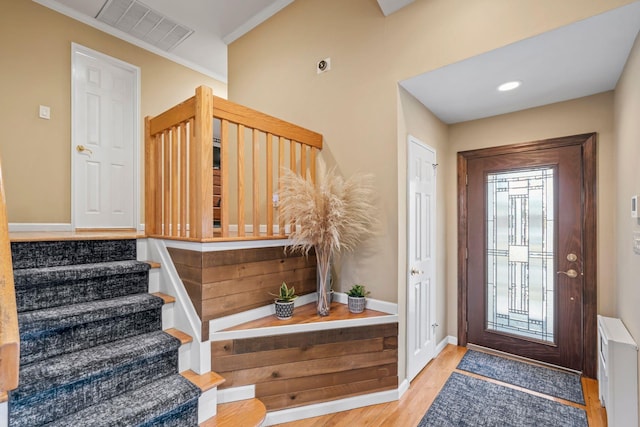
<point x="269" y="184"/>
<point x="183" y="180"/>
<point x="256" y="183"/>
<point x="303" y="161"/>
<point x="175" y="201"/>
<point x="166" y="203"/>
<point x="192" y="173"/>
<point x="224" y="178"/>
<point x="292" y="166"/>
<point x="312" y="164"/>
<point x="240" y="180"/>
<point x="280" y="166"/>
<point x="149" y="179"/>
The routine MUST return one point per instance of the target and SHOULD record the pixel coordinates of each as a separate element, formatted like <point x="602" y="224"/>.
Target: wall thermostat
<point x="634" y="207"/>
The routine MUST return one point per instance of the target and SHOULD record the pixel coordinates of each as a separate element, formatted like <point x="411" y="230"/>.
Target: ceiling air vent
<point x="144" y="23"/>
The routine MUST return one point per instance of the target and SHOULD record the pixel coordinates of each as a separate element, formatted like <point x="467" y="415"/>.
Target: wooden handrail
<point x="179" y="163"/>
<point x="9" y="334"/>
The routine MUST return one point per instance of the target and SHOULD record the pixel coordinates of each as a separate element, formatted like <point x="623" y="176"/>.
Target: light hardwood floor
<point x="409" y="410"/>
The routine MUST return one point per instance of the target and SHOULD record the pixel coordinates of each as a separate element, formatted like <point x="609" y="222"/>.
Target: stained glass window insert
<point x="520" y="253"/>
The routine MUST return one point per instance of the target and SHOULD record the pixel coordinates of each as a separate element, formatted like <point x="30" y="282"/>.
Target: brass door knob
<point x="82" y="149"/>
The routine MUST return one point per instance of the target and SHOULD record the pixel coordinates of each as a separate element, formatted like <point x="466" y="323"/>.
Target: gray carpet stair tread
<point x="81" y="365"/>
<point x="67" y="316"/>
<point x="35" y="276"/>
<point x="137" y="407"/>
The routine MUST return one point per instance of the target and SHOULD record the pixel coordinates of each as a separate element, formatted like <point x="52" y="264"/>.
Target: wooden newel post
<point x="150" y="181"/>
<point x="201" y="160"/>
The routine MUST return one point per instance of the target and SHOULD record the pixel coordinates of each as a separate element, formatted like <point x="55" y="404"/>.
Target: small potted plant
<point x="284" y="301"/>
<point x="357" y="298"/>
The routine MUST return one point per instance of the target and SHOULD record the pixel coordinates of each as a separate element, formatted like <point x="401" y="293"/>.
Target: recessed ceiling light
<point x="509" y="86"/>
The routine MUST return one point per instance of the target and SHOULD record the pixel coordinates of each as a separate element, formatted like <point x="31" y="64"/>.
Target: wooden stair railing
<point x="254" y="147"/>
<point x="9" y="334"/>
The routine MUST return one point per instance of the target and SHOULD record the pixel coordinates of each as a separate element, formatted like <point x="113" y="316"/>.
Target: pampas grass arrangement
<point x="331" y="216"/>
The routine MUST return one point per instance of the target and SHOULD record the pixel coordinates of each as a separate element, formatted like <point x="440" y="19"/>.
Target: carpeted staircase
<point x="92" y="349"/>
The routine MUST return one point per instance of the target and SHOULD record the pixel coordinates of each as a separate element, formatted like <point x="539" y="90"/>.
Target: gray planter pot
<point x="284" y="310"/>
<point x="356" y="304"/>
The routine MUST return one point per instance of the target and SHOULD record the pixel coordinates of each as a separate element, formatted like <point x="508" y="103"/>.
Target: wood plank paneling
<point x="222" y="283"/>
<point x="310" y="367"/>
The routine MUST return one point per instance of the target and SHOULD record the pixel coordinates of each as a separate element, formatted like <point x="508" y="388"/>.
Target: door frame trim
<point x="83" y="50"/>
<point x="589" y="226"/>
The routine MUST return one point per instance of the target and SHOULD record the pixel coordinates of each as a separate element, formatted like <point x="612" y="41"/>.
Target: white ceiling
<point x="580" y="59"/>
<point x="577" y="60"/>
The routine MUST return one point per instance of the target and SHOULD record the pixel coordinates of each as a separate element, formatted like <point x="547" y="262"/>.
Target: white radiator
<point x="617" y="372"/>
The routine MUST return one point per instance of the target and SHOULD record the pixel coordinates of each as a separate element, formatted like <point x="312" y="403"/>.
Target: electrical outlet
<point x="45" y="112"/>
<point x="275" y="200"/>
<point x="323" y="65"/>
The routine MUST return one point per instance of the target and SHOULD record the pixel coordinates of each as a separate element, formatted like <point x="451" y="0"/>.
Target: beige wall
<point x="589" y="114"/>
<point x="36" y="69"/>
<point x="627" y="125"/>
<point x="356" y="104"/>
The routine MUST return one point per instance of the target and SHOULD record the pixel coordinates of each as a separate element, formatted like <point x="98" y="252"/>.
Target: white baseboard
<point x="318" y="409"/>
<point x="404" y="386"/>
<point x="35" y="226"/>
<point x="445" y="341"/>
<point x="453" y="340"/>
<point x="234" y="394"/>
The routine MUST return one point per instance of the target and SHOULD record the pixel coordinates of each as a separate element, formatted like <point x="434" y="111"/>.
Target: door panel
<point x="526" y="218"/>
<point x="421" y="262"/>
<point x="104" y="141"/>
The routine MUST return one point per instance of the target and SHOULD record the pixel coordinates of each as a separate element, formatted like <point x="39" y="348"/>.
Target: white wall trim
<point x="234" y="394"/>
<point x="404" y="386"/>
<point x="18" y="227"/>
<point x="373" y="304"/>
<point x="249" y="315"/>
<point x="452" y="340"/>
<point x="223" y="246"/>
<point x="256" y="20"/>
<point x="318" y="409"/>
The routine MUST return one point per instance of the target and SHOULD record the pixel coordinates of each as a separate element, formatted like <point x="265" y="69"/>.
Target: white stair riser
<point x="207" y="405"/>
<point x="154" y="280"/>
<point x="4" y="414"/>
<point x="168" y="317"/>
<point x="184" y="357"/>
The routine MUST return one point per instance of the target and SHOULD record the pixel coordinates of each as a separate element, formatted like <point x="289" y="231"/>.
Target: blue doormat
<point x="565" y="385"/>
<point x="469" y="401"/>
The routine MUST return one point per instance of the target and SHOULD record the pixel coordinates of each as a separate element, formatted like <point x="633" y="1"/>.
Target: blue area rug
<point x="468" y="401"/>
<point x="552" y="382"/>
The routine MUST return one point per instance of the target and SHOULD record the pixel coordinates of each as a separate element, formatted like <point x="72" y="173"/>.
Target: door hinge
<point x="466" y="326"/>
<point x="466" y="253"/>
<point x="466" y="179"/>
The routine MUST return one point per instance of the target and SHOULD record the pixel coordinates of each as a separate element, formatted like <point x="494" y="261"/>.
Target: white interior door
<point x="105" y="141"/>
<point x="421" y="292"/>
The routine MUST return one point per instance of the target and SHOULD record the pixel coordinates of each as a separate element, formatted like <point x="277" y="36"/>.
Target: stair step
<point x="50" y="332"/>
<point x="205" y="381"/>
<point x="168" y="299"/>
<point x="3" y="396"/>
<point x="170" y="402"/>
<point x="246" y="413"/>
<point x="153" y="264"/>
<point x="69" y="252"/>
<point x="68" y="383"/>
<point x="40" y="288"/>
<point x="183" y="337"/>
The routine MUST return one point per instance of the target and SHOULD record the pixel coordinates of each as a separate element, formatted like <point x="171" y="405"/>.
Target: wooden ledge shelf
<point x="305" y="319"/>
<point x="306" y="314"/>
<point x="246" y="413"/>
<point x="205" y="381"/>
<point x="184" y="338"/>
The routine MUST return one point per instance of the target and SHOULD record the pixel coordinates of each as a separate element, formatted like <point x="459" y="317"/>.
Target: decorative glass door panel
<point x="520" y="253"/>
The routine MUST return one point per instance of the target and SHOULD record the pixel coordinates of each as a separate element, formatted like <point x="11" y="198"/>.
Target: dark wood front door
<point x="526" y="259"/>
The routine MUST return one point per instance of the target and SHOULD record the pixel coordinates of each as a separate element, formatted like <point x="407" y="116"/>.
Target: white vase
<point x="356" y="304"/>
